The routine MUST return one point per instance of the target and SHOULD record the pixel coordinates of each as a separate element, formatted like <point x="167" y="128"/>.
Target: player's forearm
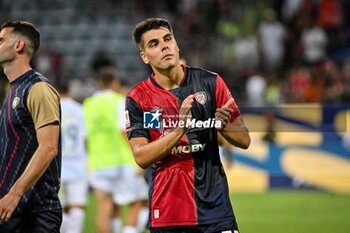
<point x="236" y="133"/>
<point x="150" y="152"/>
<point x="238" y="137"/>
<point x="35" y="169"/>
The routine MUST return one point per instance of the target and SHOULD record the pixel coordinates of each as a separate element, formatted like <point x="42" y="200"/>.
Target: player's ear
<point x="144" y="57"/>
<point x="20" y="45"/>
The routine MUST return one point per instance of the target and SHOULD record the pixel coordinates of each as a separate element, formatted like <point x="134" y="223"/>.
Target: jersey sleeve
<point x="43" y="104"/>
<point x="222" y="95"/>
<point x="134" y="120"/>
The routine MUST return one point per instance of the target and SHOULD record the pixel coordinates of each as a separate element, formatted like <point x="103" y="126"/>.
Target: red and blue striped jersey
<point x="188" y="186"/>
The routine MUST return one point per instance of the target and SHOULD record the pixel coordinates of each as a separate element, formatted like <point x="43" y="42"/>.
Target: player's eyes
<point x="153" y="44"/>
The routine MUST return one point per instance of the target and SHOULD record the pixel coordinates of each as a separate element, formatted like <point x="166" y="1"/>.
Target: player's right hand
<point x="223" y="114"/>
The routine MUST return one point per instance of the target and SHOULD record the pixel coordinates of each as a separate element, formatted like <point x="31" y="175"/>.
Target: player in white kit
<point x="74" y="186"/>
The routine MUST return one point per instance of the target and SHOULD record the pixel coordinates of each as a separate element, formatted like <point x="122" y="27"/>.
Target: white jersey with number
<point x="74" y="158"/>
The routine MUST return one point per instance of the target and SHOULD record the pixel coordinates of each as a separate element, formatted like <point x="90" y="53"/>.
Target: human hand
<point x="223" y="114"/>
<point x="185" y="110"/>
<point x="8" y="204"/>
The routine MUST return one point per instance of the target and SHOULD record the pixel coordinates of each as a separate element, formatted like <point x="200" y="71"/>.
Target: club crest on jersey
<point x="15" y="102"/>
<point x="201" y="97"/>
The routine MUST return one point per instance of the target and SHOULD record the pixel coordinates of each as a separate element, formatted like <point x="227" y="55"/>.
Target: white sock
<point x="76" y="220"/>
<point x="65" y="222"/>
<point x="142" y="219"/>
<point x="117" y="225"/>
<point x="130" y="229"/>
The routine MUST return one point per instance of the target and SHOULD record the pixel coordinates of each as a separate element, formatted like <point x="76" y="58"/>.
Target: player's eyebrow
<point x="167" y="35"/>
<point x="157" y="40"/>
<point x="152" y="41"/>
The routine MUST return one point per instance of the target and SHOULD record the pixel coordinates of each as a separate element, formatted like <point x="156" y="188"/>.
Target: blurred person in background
<point x="74" y="187"/>
<point x="313" y="41"/>
<point x="113" y="174"/>
<point x="30" y="148"/>
<point x="100" y="60"/>
<point x="188" y="189"/>
<point x="272" y="37"/>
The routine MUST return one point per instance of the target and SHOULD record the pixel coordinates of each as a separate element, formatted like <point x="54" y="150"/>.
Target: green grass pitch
<point x="279" y="211"/>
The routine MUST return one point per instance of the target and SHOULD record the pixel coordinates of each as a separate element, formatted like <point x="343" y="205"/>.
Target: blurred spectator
<point x="43" y="62"/>
<point x="346" y="82"/>
<point x="272" y="36"/>
<point x="246" y="52"/>
<point x="290" y="10"/>
<point x="272" y="93"/>
<point x="334" y="86"/>
<point x="330" y="18"/>
<point x="313" y="42"/>
<point x="82" y="88"/>
<point x="49" y="63"/>
<point x="255" y="88"/>
<point x="314" y="89"/>
<point x="297" y="80"/>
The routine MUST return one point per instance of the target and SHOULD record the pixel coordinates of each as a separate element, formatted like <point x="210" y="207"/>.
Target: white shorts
<point x="122" y="183"/>
<point x="73" y="193"/>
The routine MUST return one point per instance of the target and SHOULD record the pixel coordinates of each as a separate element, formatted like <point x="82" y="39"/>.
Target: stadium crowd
<point x="273" y="51"/>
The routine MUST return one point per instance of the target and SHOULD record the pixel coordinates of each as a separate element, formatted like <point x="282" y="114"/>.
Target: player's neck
<point x="169" y="79"/>
<point x="15" y="69"/>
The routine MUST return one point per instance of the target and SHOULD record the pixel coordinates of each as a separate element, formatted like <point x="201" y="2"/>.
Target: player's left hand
<point x="223" y="114"/>
<point x="8" y="204"/>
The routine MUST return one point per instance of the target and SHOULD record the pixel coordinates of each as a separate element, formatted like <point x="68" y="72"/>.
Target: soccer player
<point x="30" y="156"/>
<point x="173" y="120"/>
<point x="74" y="187"/>
<point x="113" y="170"/>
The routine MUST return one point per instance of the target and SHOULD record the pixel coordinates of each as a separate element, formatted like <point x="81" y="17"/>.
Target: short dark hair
<point x="147" y="25"/>
<point x="26" y="29"/>
<point x="106" y="75"/>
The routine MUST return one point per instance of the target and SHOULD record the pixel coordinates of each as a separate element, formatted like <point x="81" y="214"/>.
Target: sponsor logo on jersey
<point x="188" y="148"/>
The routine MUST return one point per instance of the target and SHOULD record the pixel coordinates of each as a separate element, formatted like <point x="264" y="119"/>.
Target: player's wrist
<point x="16" y="192"/>
<point x="180" y="130"/>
